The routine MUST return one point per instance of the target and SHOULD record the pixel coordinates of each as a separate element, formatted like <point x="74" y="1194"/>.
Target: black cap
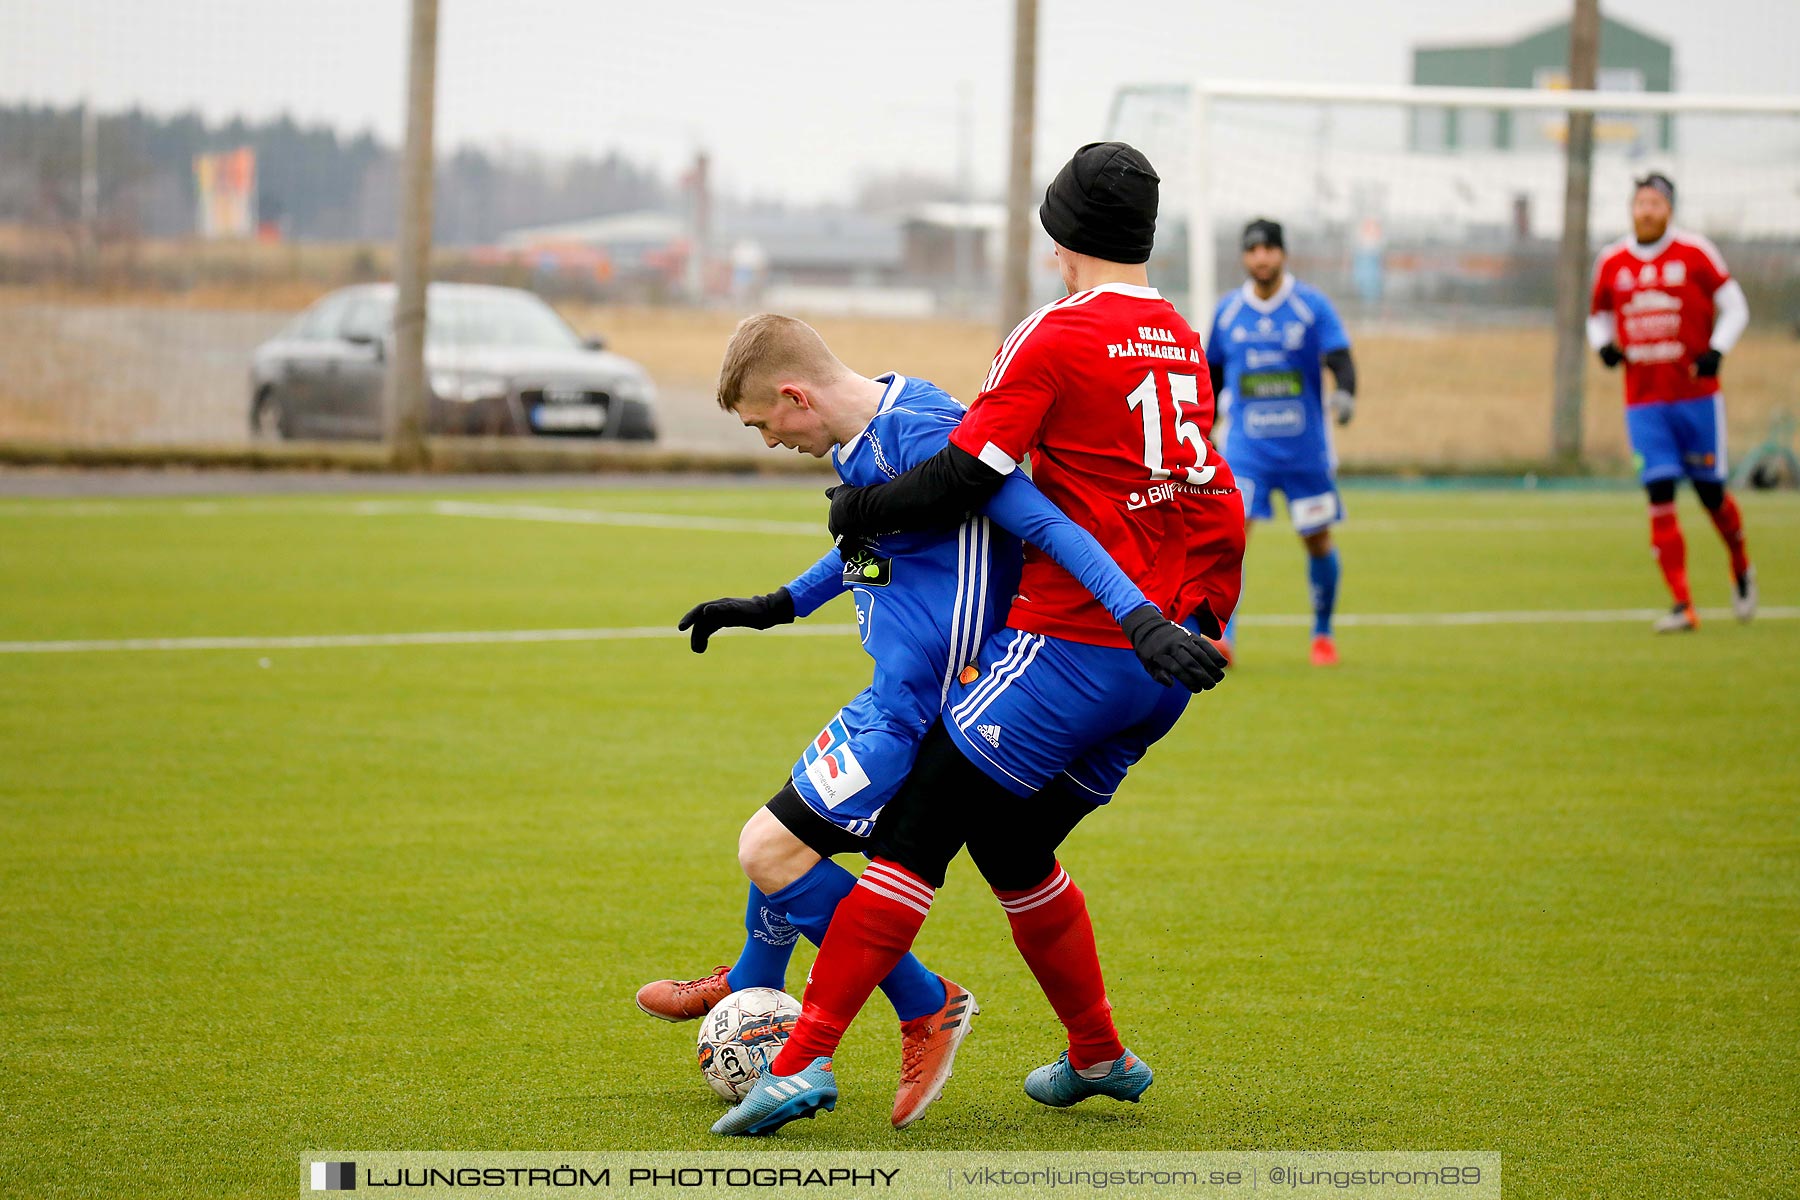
<point x="1658" y="182"/>
<point x="1263" y="232"/>
<point x="1103" y="203"/>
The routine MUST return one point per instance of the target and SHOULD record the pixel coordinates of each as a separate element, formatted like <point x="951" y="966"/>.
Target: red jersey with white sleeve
<point x="1661" y="298"/>
<point x="1107" y="392"/>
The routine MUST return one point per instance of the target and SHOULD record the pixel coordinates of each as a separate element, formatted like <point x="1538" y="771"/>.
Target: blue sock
<point x="1324" y="573"/>
<point x="768" y="944"/>
<point x="809" y="902"/>
<point x="1231" y="626"/>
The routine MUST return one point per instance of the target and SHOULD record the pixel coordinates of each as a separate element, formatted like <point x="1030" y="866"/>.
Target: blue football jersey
<point x="924" y="601"/>
<point x="1271" y="351"/>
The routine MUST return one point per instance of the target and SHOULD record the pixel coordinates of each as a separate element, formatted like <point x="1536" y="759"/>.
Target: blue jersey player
<point x="925" y="603"/>
<point x="1271" y="342"/>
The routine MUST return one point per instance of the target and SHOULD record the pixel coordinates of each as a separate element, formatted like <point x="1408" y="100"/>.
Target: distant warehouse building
<point x="814" y="248"/>
<point x="932" y="259"/>
<point x="1630" y="61"/>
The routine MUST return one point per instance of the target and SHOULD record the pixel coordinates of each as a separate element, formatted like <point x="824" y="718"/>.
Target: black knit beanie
<point x="1103" y="203"/>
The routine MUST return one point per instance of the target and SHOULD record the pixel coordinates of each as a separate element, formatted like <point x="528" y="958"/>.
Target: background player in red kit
<point x="1665" y="305"/>
<point x="1107" y="391"/>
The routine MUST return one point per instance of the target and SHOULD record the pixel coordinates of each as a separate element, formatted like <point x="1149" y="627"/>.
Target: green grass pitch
<point x="1532" y="888"/>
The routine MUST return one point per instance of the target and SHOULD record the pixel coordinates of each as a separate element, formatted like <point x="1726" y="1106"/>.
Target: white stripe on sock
<point x="1020" y="906"/>
<point x="1046" y="886"/>
<point x="918" y="889"/>
<point x="924" y="910"/>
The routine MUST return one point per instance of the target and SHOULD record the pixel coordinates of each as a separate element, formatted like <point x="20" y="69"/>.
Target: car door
<point x="358" y="378"/>
<point x="300" y="384"/>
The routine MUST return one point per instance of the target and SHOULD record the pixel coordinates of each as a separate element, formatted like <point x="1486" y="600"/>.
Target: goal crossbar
<point x="1201" y="94"/>
<point x="1495" y="97"/>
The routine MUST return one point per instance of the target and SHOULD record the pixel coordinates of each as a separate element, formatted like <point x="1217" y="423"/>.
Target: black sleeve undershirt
<point x="1343" y="368"/>
<point x="937" y="494"/>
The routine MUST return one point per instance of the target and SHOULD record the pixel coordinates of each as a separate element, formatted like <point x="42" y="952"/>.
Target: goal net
<point x="1435" y="228"/>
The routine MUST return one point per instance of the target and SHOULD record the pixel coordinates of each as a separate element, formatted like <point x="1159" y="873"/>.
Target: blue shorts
<point x="1311" y="491"/>
<point x="857" y="763"/>
<point x="1035" y="708"/>
<point x="1679" y="438"/>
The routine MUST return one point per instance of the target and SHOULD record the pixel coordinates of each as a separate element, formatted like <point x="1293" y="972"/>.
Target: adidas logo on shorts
<point x="990" y="733"/>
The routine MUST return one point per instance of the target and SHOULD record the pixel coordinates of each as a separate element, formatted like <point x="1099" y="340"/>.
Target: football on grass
<point x="740" y="1036"/>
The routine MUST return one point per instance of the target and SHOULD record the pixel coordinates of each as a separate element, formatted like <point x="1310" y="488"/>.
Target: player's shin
<point x="768" y="945"/>
<point x="1323" y="571"/>
<point x="1671" y="551"/>
<point x="1730" y="523"/>
<point x="1055" y="936"/>
<point x="809" y="903"/>
<point x="871" y="931"/>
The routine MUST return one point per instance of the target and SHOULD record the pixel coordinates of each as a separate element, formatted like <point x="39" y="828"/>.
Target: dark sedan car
<point x="498" y="361"/>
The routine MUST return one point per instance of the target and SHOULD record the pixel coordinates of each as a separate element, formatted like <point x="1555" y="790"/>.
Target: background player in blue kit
<point x="925" y="602"/>
<point x="1270" y="342"/>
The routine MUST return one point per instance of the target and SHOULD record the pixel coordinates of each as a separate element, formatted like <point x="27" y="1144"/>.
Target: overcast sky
<point x="792" y="97"/>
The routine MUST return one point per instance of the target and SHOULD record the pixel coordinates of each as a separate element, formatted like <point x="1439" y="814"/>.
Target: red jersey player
<point x="1665" y="305"/>
<point x="1107" y="392"/>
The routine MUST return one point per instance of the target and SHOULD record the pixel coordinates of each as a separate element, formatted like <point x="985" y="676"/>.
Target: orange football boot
<point x="684" y="1000"/>
<point x="928" y="1047"/>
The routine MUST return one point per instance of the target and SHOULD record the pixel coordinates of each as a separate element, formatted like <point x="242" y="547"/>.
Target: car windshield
<point x="499" y="320"/>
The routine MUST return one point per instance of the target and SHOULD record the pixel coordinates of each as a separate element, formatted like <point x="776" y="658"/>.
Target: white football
<point x="740" y="1036"/>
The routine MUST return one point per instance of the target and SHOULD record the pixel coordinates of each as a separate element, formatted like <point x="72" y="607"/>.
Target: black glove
<point x="754" y="612"/>
<point x="842" y="519"/>
<point x="1170" y="653"/>
<point x="1706" y="363"/>
<point x="1611" y="355"/>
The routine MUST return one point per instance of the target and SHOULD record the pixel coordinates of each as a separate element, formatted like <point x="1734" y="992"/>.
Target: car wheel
<point x="268" y="420"/>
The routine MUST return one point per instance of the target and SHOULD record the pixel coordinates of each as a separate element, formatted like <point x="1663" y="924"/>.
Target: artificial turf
<point x="1532" y="888"/>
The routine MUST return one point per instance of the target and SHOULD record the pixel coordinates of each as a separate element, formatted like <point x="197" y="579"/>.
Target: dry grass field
<point x="170" y="366"/>
<point x="1456" y="397"/>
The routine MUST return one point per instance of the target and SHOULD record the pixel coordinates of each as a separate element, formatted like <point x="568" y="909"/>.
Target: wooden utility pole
<point x="699" y="227"/>
<point x="1572" y="264"/>
<point x="406" y="378"/>
<point x="90" y="186"/>
<point x="1015" y="290"/>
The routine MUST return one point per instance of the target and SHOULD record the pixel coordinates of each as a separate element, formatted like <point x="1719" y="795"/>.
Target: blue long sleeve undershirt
<point x="1023" y="511"/>
<point x="822" y="581"/>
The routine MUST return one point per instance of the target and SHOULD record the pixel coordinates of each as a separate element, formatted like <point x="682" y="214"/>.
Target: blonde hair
<point x="769" y="344"/>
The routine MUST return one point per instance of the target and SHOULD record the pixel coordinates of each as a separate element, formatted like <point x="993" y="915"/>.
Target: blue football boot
<point x="1060" y="1085"/>
<point x="774" y="1100"/>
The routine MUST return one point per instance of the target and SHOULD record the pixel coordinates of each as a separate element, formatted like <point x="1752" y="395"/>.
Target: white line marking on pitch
<point x="556" y="514"/>
<point x="478" y="637"/>
<point x="593" y="516"/>
<point x="571" y="515"/>
<point x="590" y="516"/>
<point x="1596" y="616"/>
<point x="660" y="632"/>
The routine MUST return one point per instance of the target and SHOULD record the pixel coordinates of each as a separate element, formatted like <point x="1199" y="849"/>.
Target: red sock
<point x="1671" y="551"/>
<point x="871" y="931"/>
<point x="1730" y="524"/>
<point x="1051" y="927"/>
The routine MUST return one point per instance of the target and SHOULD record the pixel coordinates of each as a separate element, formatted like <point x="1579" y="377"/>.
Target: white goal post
<point x="1203" y="94"/>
